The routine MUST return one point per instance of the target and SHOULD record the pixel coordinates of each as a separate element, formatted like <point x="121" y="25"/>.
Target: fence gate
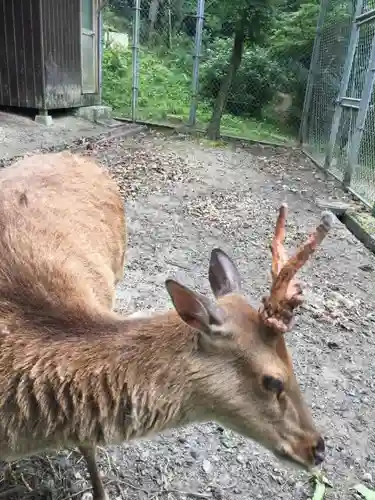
<point x="350" y="152"/>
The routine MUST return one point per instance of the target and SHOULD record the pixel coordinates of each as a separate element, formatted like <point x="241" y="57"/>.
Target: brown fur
<point x="74" y="373"/>
<point x="62" y="230"/>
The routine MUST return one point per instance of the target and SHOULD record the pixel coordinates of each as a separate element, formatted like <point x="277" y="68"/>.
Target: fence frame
<point x="312" y="71"/>
<point x="135" y="58"/>
<point x="342" y="101"/>
<point x="196" y="57"/>
<point x="361" y="116"/>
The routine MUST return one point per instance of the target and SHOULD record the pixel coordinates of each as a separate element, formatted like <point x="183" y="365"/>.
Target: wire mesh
<point x="341" y="151"/>
<point x="167" y="32"/>
<point x="149" y="77"/>
<point x="260" y="93"/>
<point x="177" y="60"/>
<point x="117" y="59"/>
<point x="258" y="103"/>
<point x="363" y="180"/>
<point x="328" y="76"/>
<point x="255" y="90"/>
<point x="360" y="61"/>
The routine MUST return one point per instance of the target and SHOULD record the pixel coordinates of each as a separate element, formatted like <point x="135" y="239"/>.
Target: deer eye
<point x="273" y="384"/>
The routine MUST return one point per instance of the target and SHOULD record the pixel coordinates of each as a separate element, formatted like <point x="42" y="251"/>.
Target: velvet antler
<point x="286" y="292"/>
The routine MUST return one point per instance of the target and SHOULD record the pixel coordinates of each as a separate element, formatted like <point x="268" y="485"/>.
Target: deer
<point x="74" y="373"/>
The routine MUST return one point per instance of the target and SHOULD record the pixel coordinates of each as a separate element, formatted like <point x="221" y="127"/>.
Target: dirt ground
<point x="19" y="134"/>
<point x="184" y="198"/>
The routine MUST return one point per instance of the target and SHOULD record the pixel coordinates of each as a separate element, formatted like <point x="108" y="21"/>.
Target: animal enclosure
<point x="338" y="123"/>
<point x="315" y="68"/>
<point x="174" y="68"/>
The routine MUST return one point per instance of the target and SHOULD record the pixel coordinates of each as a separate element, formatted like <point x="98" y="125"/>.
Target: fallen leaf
<point x="365" y="492"/>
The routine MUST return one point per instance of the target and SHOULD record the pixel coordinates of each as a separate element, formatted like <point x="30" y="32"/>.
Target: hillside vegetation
<point x="253" y="68"/>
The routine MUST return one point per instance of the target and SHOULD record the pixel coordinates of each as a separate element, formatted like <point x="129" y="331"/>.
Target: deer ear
<point x="223" y="274"/>
<point x="194" y="309"/>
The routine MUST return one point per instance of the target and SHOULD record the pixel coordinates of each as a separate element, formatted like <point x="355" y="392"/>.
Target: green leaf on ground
<point x="320" y="483"/>
<point x="365" y="492"/>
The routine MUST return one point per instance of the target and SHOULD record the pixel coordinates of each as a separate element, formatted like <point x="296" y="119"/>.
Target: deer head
<point x="243" y="371"/>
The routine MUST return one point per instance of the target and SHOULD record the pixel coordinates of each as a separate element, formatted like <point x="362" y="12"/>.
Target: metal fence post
<point x="312" y="71"/>
<point x="100" y="51"/>
<point x="197" y="54"/>
<point x="353" y="42"/>
<point x="135" y="57"/>
<point x="361" y="116"/>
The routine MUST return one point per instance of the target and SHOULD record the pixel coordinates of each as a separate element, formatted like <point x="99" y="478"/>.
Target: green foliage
<point x="278" y="41"/>
<point x="164" y="82"/>
<point x="117" y="78"/>
<point x="165" y="92"/>
<point x="294" y="33"/>
<point x="115" y="22"/>
<point x="291" y="43"/>
<point x="225" y="16"/>
<point x="255" y="83"/>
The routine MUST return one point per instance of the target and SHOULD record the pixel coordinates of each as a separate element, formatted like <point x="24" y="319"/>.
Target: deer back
<point x="63" y="230"/>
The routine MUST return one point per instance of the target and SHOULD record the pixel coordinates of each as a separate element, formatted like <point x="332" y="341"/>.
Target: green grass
<point x="165" y="94"/>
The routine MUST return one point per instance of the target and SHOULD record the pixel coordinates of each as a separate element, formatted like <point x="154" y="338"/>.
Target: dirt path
<point x="185" y="198"/>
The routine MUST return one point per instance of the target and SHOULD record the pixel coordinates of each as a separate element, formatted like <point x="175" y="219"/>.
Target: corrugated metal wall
<point x="20" y="53"/>
<point x="61" y="27"/>
<point x="40" y="54"/>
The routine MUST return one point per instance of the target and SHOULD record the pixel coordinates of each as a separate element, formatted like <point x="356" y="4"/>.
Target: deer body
<point x="75" y="373"/>
<point x="62" y="218"/>
<point x="65" y="387"/>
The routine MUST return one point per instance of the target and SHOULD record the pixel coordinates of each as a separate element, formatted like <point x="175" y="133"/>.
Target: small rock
<point x="194" y="454"/>
<point x="241" y="459"/>
<point x="226" y="443"/>
<point x="333" y="345"/>
<point x="366" y="267"/>
<point x="49" y="484"/>
<point x="367" y="477"/>
<point x="337" y="207"/>
<point x="206" y="465"/>
<point x="217" y="493"/>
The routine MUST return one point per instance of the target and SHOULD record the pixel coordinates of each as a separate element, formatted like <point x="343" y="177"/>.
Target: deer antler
<point x="286" y="292"/>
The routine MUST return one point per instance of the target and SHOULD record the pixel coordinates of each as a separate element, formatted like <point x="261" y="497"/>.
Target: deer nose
<point x="319" y="451"/>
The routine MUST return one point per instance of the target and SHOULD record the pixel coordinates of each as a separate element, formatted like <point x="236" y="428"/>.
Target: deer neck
<point x="102" y="382"/>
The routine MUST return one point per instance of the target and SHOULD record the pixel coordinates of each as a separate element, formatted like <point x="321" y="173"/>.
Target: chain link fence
<point x="166" y="61"/>
<point x="156" y="66"/>
<point x="338" y="123"/>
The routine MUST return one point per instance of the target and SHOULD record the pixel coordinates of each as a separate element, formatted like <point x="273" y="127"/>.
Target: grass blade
<point x="320" y="489"/>
<point x="365" y="492"/>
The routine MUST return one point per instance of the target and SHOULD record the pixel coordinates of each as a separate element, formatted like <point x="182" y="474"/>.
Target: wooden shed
<point x="49" y="53"/>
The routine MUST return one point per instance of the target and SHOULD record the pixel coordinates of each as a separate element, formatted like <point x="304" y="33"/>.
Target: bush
<point x="117" y="77"/>
<point x="257" y="80"/>
<point x="165" y="91"/>
<point x="164" y="82"/>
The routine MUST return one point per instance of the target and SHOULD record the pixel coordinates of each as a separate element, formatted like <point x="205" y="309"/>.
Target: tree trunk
<point x="152" y="16"/>
<point x="213" y="129"/>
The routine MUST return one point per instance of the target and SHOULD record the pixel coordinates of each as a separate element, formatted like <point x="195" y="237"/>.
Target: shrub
<point x="256" y="82"/>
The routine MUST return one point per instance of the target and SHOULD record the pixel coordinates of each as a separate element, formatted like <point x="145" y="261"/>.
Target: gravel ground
<point x="183" y="198"/>
<point x="19" y="133"/>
